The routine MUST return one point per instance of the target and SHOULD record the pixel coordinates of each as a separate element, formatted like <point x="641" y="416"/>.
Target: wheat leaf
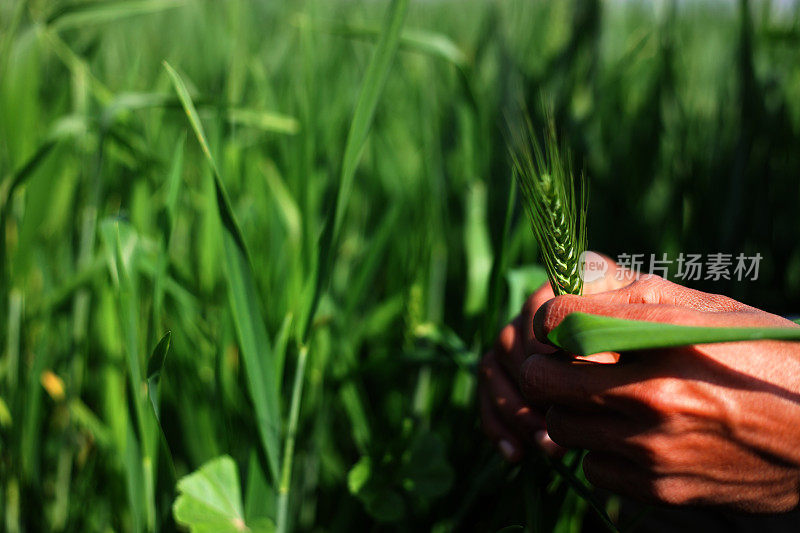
<point x="586" y="334"/>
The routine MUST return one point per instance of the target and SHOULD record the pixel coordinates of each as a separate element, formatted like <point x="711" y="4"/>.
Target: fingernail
<point x="545" y="442"/>
<point x="543" y="439"/>
<point x="507" y="449"/>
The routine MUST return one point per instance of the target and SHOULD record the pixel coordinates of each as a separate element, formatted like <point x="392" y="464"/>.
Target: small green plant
<point x="555" y="200"/>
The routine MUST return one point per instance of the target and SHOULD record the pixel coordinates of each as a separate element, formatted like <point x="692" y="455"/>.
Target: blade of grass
<point x="423" y="41"/>
<point x="25" y="172"/>
<point x="76" y="64"/>
<point x="584" y="492"/>
<point x="128" y="312"/>
<point x="291" y="434"/>
<point x="499" y="266"/>
<point x="281" y="343"/>
<point x="264" y="120"/>
<point x="478" y="250"/>
<point x="371" y="89"/>
<point x="80" y="14"/>
<point x="167" y="223"/>
<point x="247" y="317"/>
<point x="586" y="334"/>
<point x="155" y="366"/>
<point x="7" y="189"/>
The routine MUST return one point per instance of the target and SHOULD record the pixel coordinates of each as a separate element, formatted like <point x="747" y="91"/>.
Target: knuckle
<point x="646" y="450"/>
<point x="669" y="490"/>
<point x="552" y="311"/>
<point x="485" y="370"/>
<point x="522" y="416"/>
<point x="532" y="377"/>
<point x="648" y="288"/>
<point x="662" y="396"/>
<point x="506" y="339"/>
<point x="646" y="281"/>
<point x="656" y="452"/>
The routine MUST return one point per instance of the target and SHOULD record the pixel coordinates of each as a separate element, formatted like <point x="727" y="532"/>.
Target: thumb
<point x="652" y="299"/>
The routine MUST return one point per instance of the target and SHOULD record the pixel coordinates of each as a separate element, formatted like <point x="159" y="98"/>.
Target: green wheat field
<point x="252" y="251"/>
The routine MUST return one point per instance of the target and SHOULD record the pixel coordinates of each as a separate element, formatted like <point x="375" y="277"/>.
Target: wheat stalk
<point x="555" y="201"/>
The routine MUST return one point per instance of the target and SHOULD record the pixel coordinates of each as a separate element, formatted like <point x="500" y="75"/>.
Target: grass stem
<point x="288" y="445"/>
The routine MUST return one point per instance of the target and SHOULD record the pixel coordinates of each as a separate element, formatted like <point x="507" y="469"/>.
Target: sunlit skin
<point x="713" y="424"/>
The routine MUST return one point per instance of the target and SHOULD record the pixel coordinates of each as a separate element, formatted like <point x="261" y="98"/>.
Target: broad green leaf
<point x="210" y="500"/>
<point x="242" y="294"/>
<point x="385" y="504"/>
<point x="380" y="499"/>
<point x="426" y="471"/>
<point x="586" y="334"/>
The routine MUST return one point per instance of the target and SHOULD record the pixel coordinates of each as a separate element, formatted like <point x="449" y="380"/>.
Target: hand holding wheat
<point x="670" y="443"/>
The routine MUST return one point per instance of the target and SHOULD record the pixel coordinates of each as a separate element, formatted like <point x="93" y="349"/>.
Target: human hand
<point x="508" y="419"/>
<point x="713" y="424"/>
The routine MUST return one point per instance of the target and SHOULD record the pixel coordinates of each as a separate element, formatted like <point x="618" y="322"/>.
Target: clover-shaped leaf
<point x="210" y="501"/>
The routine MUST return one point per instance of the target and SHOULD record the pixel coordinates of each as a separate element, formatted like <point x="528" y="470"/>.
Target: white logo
<point x="592" y="267"/>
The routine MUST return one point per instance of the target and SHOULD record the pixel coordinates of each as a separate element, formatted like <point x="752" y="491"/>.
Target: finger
<point x="507" y="443"/>
<point x="652" y="289"/>
<point x="510" y="347"/>
<point x="619" y="475"/>
<point x="651" y="299"/>
<point x="547" y="380"/>
<point x="509" y="406"/>
<point x="598" y="431"/>
<point x="510" y="351"/>
<point x="508" y="402"/>
<point x="525" y="321"/>
<point x="614" y="277"/>
<point x="525" y="422"/>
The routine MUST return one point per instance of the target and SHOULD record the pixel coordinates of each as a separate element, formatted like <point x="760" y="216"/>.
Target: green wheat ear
<point x="556" y="202"/>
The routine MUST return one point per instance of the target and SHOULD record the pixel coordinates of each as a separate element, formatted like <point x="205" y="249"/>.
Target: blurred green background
<point x="685" y="116"/>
